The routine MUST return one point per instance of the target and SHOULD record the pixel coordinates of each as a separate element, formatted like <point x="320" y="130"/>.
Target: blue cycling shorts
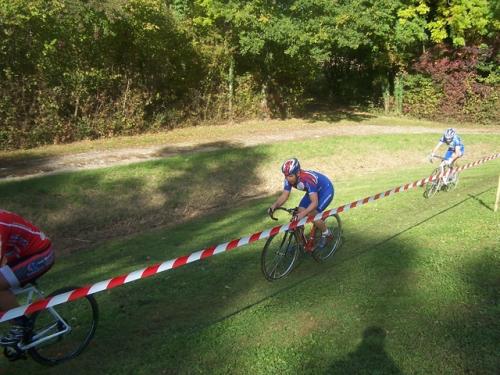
<point x="450" y="152"/>
<point x="325" y="197"/>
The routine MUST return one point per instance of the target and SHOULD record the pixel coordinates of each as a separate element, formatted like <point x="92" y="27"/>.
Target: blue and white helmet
<point x="449" y="134"/>
<point x="290" y="166"/>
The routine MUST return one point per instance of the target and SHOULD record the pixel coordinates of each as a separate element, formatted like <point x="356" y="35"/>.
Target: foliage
<point x="464" y="95"/>
<point x="422" y="96"/>
<point x="71" y="70"/>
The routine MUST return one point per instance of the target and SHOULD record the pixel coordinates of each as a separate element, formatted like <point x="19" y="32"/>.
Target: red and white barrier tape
<point x="208" y="252"/>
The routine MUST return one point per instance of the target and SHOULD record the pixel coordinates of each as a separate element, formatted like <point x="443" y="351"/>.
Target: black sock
<point x="21" y="321"/>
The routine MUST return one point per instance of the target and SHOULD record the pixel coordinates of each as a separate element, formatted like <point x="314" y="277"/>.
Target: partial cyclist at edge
<point x="455" y="150"/>
<point x="26" y="253"/>
<point x="319" y="193"/>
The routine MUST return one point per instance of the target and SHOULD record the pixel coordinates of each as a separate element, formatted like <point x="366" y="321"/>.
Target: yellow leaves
<point x="438" y="30"/>
<point x="263" y="18"/>
<point x="151" y="27"/>
<point x="412" y="11"/>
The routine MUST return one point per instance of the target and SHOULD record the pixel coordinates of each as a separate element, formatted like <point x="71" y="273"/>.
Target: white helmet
<point x="449" y="134"/>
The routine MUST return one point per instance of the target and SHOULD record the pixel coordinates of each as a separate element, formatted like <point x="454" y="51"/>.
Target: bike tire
<point x="432" y="187"/>
<point x="279" y="255"/>
<point x="81" y="314"/>
<point x="453" y="184"/>
<point x="335" y="225"/>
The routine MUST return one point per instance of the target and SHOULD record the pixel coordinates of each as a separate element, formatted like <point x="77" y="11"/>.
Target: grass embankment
<point x="413" y="290"/>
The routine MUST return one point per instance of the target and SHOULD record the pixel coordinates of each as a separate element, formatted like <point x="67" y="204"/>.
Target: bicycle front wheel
<point x="80" y="315"/>
<point x="432" y="187"/>
<point x="333" y="243"/>
<point x="279" y="255"/>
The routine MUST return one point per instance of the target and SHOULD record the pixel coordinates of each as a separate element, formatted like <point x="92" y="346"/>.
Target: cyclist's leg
<point x="324" y="199"/>
<point x="14" y="276"/>
<point x="453" y="174"/>
<point x="8" y="301"/>
<point x="7" y="281"/>
<point x="304" y="202"/>
<point x="31" y="268"/>
<point x="446" y="177"/>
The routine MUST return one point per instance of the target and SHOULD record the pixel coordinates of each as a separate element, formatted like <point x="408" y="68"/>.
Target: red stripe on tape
<point x="276" y="230"/>
<point x="151" y="270"/>
<point x="255" y="237"/>
<point x="39" y="305"/>
<point x="117" y="281"/>
<point x="180" y="261"/>
<point x="208" y="252"/>
<point x="232" y="244"/>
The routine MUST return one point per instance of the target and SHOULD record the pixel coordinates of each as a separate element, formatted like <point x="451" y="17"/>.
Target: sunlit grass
<point x="414" y="288"/>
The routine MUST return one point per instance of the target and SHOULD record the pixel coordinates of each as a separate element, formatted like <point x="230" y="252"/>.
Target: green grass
<point x="414" y="289"/>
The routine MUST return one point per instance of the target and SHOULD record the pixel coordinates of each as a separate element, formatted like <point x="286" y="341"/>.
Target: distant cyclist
<point x="25" y="254"/>
<point x="455" y="147"/>
<point x="319" y="194"/>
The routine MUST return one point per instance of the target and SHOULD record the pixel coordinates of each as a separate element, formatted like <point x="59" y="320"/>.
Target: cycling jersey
<point x="456" y="141"/>
<point x="20" y="238"/>
<point x="313" y="182"/>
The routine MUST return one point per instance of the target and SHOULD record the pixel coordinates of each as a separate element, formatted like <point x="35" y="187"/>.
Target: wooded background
<point x="73" y="69"/>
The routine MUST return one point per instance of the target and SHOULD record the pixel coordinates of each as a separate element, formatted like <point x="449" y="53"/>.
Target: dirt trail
<point x="24" y="169"/>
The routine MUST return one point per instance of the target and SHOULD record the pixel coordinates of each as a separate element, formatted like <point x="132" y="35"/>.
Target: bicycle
<point x="55" y="336"/>
<point x="447" y="182"/>
<point x="278" y="258"/>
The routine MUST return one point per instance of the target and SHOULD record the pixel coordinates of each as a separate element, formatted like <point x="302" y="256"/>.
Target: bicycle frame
<point x="442" y="167"/>
<point x="43" y="336"/>
<point x="307" y="244"/>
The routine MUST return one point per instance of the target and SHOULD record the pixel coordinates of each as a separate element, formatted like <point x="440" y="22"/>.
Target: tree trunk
<point x="231" y="89"/>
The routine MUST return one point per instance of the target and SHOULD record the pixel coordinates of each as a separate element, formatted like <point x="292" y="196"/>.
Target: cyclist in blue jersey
<point x="319" y="194"/>
<point x="455" y="147"/>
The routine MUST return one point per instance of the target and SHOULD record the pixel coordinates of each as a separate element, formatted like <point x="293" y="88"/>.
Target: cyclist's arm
<point x="281" y="199"/>
<point x="437" y="147"/>
<point x="2" y="260"/>
<point x="312" y="206"/>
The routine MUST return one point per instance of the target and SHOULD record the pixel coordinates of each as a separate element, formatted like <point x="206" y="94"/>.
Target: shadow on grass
<point x="472" y="326"/>
<point x="202" y="147"/>
<point x="480" y="201"/>
<point x="369" y="357"/>
<point x="335" y="115"/>
<point x="165" y="322"/>
<point x="79" y="209"/>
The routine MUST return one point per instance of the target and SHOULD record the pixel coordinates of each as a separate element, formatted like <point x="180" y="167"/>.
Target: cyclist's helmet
<point x="290" y="166"/>
<point x="449" y="134"/>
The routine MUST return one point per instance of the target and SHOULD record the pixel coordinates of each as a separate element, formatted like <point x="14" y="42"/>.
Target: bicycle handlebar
<point x="291" y="211"/>
<point x="436" y="157"/>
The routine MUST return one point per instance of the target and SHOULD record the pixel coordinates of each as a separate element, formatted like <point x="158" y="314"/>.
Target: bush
<point x="422" y="96"/>
<point x="462" y="81"/>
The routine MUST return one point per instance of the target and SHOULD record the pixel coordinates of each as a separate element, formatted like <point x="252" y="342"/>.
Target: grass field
<point x="414" y="289"/>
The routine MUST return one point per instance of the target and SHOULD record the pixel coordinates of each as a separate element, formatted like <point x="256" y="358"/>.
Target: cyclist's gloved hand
<point x="270" y="211"/>
<point x="431" y="155"/>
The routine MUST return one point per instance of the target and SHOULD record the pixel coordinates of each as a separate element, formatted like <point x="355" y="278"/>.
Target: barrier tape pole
<point x="209" y="251"/>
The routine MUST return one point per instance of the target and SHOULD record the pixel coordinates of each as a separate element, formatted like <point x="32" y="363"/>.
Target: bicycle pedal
<point x="12" y="353"/>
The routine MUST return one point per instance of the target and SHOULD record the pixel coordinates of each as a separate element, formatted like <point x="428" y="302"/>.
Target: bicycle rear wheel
<point x="81" y="315"/>
<point x="279" y="255"/>
<point x="432" y="187"/>
<point x="333" y="244"/>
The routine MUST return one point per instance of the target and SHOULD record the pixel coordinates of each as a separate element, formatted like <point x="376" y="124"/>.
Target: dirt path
<point x="242" y="137"/>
